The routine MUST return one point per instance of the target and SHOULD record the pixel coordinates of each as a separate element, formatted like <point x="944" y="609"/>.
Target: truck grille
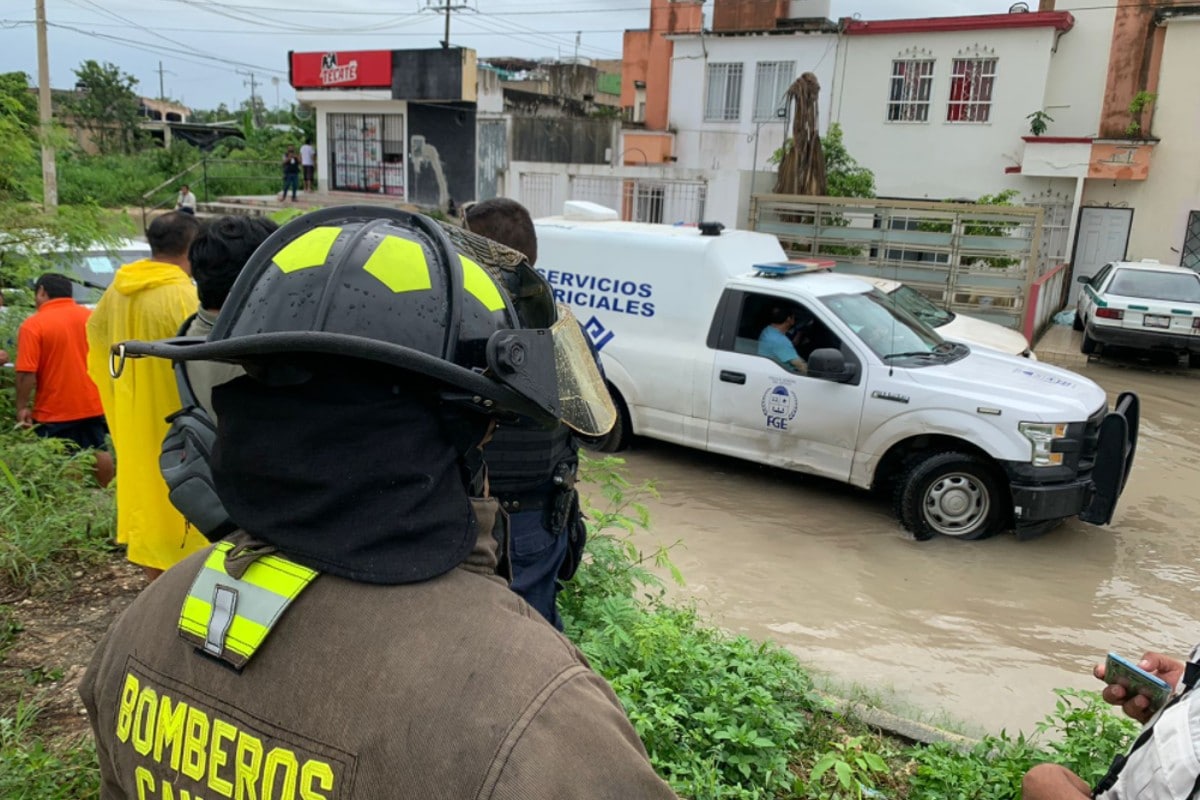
<point x="1091" y="440"/>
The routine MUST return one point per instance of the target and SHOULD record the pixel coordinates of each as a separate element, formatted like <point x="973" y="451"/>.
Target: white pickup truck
<point x="969" y="441"/>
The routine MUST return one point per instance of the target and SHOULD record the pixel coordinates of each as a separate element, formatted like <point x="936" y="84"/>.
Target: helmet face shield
<point x="584" y="402"/>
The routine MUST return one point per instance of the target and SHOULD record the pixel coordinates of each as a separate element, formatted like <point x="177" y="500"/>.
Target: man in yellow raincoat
<point x="148" y="299"/>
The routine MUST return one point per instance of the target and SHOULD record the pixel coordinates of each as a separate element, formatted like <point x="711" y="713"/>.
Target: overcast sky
<point x="209" y="47"/>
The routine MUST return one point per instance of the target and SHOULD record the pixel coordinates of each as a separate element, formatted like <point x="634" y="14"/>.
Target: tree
<point x="844" y="176"/>
<point x="106" y="104"/>
<point x="24" y="224"/>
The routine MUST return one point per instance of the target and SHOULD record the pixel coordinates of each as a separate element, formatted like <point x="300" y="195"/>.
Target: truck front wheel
<point x="954" y="494"/>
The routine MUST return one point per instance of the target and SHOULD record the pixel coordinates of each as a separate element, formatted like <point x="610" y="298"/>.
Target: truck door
<point x="767" y="412"/>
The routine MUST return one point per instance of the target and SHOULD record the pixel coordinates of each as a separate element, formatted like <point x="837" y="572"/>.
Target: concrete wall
<point x="1163" y="201"/>
<point x="1075" y="88"/>
<point x="731" y="145"/>
<point x="939" y="159"/>
<point x="646" y="56"/>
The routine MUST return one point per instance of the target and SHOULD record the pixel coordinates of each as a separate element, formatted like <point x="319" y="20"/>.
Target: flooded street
<point x="976" y="632"/>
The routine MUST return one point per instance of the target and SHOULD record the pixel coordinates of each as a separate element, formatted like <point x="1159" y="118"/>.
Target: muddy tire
<point x="952" y="494"/>
<point x="1089" y="345"/>
<point x="1194" y="360"/>
<point x="1078" y="323"/>
<point x="618" y="438"/>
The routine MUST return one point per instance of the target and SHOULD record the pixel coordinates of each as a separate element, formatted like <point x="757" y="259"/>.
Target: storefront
<point x="394" y="122"/>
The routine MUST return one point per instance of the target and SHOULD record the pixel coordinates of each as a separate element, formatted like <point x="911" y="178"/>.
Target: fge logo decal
<point x="599" y="334"/>
<point x="779" y="406"/>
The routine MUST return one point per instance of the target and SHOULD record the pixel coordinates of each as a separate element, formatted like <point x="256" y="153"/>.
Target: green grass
<point x="34" y="767"/>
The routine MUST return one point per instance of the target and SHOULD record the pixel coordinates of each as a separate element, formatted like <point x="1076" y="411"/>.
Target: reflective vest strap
<point x="229" y="618"/>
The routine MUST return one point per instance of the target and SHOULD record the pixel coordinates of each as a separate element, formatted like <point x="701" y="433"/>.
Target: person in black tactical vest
<point x="532" y="471"/>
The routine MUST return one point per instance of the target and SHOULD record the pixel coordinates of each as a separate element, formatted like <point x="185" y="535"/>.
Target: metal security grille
<point x="367" y="153"/>
<point x="771" y="80"/>
<point x="537" y="194"/>
<point x="1056" y="228"/>
<point x="912" y="85"/>
<point x="1191" y="243"/>
<point x="642" y="199"/>
<point x="971" y="83"/>
<point x="724" y="99"/>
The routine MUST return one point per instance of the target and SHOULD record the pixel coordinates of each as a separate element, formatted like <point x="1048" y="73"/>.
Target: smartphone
<point x="1135" y="680"/>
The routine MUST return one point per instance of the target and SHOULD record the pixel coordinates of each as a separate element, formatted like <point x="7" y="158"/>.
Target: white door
<point x="1103" y="237"/>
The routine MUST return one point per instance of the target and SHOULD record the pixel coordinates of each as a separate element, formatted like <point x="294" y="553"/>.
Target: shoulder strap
<point x="187" y="396"/>
<point x="237" y="597"/>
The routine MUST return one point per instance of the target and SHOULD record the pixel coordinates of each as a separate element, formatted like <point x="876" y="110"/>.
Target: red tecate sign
<point x="336" y="69"/>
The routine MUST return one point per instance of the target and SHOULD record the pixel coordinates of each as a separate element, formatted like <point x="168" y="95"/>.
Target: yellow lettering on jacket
<point x="144" y="716"/>
<point x="195" y="736"/>
<point x="212" y="752"/>
<point x="247" y="763"/>
<point x="280" y="759"/>
<point x="218" y="756"/>
<point x="144" y="780"/>
<point x="129" y="695"/>
<point x="169" y="730"/>
<point x="315" y="775"/>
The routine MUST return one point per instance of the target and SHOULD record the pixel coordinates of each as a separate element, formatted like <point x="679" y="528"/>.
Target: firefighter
<point x="353" y="639"/>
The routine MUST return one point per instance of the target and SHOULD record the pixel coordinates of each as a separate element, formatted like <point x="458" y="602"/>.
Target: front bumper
<point x="1144" y="338"/>
<point x="1093" y="498"/>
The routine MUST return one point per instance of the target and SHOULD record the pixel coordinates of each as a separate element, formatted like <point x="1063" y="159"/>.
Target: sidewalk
<point x="1059" y="345"/>
<point x="266" y="203"/>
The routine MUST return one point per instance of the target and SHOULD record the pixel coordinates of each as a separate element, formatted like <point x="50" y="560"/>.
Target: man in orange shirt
<point x="52" y="368"/>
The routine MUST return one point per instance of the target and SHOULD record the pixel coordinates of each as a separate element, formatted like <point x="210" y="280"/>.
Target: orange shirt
<point x="53" y="344"/>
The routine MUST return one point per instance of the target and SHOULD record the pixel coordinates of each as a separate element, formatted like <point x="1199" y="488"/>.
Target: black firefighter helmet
<point x="390" y="287"/>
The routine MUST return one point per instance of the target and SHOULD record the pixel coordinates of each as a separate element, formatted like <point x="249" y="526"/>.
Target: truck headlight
<point x="1042" y="436"/>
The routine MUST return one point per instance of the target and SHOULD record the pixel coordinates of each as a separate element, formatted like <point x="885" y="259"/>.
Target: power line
<point x="348" y="12"/>
<point x="157" y="50"/>
<point x="448" y="7"/>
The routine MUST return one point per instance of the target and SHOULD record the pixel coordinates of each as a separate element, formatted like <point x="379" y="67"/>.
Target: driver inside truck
<point x="775" y="341"/>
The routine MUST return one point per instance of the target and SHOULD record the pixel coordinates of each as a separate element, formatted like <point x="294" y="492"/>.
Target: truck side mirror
<point x="1083" y="279"/>
<point x="828" y="364"/>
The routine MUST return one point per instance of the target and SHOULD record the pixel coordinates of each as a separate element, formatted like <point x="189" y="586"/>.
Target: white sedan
<point x="955" y="327"/>
<point x="1141" y="304"/>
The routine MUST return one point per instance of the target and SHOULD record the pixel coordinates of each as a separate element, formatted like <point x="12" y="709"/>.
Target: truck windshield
<point x="888" y="328"/>
<point x="920" y="306"/>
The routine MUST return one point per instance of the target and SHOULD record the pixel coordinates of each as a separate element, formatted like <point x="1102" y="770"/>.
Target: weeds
<point x="52" y="519"/>
<point x="31" y="768"/>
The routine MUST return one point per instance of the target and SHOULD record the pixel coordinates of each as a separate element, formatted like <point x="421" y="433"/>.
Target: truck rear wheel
<point x="952" y="494"/>
<point x="616" y="439"/>
<point x="1089" y="345"/>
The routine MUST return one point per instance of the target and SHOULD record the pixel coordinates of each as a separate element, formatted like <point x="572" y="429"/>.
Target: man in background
<point x="148" y="299"/>
<point x="531" y="470"/>
<point x="52" y="370"/>
<point x="308" y="156"/>
<point x="217" y="256"/>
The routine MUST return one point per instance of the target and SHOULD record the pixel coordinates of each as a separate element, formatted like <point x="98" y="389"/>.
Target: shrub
<point x="32" y="768"/>
<point x="52" y="519"/>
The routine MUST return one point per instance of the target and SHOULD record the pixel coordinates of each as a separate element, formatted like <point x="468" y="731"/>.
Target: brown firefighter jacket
<point x="450" y="688"/>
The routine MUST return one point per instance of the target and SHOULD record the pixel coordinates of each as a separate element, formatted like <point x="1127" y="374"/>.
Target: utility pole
<point x="447" y="6"/>
<point x="253" y="84"/>
<point x="45" y="115"/>
<point x="577" y="35"/>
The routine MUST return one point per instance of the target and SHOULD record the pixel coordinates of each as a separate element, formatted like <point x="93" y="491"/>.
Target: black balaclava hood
<point x="351" y="474"/>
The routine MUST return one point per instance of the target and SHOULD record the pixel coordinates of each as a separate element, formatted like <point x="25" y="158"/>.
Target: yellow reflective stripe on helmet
<point x="480" y="285"/>
<point x="400" y="265"/>
<point x="310" y="249"/>
<point x="244" y="637"/>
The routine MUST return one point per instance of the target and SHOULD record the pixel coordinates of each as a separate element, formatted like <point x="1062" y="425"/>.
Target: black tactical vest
<point x="522" y="460"/>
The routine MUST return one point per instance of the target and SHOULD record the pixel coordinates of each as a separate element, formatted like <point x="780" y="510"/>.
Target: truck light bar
<point x="781" y="269"/>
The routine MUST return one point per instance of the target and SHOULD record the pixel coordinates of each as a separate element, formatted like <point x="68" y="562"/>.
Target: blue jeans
<point x="290" y="182"/>
<point x="536" y="555"/>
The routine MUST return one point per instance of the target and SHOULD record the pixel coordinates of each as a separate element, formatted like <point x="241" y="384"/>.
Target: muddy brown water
<point x="975" y="634"/>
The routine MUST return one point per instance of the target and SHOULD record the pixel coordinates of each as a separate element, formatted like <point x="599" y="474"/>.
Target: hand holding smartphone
<point x="1136" y="681"/>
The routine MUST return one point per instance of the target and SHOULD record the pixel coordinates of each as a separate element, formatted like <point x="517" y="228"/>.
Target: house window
<point x="724" y="93"/>
<point x="770" y="84"/>
<point x="971" y="90"/>
<point x="1191" y="243"/>
<point x="912" y="84"/>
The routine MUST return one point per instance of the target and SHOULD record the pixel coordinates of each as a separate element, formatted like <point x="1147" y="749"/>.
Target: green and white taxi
<point x="1141" y="304"/>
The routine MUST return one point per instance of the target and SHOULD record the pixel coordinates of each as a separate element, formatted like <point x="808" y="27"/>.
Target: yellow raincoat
<point x="147" y="300"/>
